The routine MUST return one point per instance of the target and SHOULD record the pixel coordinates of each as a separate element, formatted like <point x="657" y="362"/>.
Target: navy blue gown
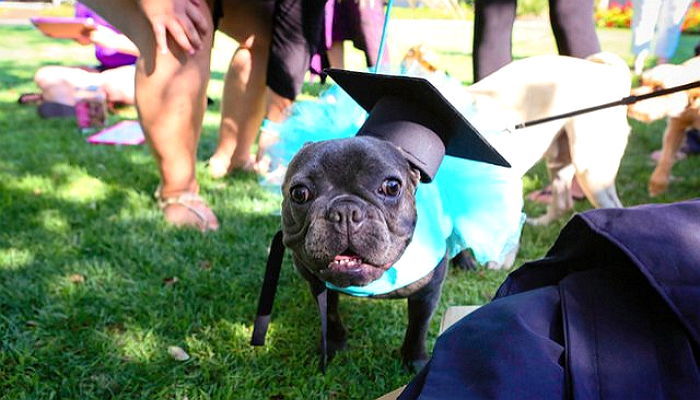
<point x="612" y="311"/>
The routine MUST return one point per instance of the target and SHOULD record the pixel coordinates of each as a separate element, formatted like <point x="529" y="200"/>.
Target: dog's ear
<point x="415" y="176"/>
<point x="413" y="172"/>
<point x="694" y="98"/>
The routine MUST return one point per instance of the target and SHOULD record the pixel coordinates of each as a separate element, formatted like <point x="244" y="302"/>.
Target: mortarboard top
<point x="413" y="115"/>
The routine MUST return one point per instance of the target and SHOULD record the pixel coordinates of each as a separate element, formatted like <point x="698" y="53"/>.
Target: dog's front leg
<point x="673" y="138"/>
<point x="421" y="306"/>
<point x="337" y="334"/>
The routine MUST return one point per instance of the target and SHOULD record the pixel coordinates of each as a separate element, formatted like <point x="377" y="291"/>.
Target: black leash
<point x="625" y="101"/>
<point x="268" y="290"/>
<point x="267" y="298"/>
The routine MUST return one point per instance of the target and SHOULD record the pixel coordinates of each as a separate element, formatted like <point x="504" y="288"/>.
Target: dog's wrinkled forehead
<point x="340" y="159"/>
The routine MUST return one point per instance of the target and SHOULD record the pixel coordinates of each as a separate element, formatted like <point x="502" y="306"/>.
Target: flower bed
<point x="619" y="15"/>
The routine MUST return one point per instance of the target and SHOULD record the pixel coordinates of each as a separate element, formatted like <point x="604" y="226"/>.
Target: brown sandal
<point x="192" y="204"/>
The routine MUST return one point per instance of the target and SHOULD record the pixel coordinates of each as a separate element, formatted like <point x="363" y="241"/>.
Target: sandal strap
<point x="184" y="199"/>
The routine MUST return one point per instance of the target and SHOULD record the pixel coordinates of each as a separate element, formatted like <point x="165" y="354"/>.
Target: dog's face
<point x="419" y="61"/>
<point x="671" y="105"/>
<point x="348" y="211"/>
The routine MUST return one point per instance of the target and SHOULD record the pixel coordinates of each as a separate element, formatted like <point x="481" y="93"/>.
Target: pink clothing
<point x="108" y="58"/>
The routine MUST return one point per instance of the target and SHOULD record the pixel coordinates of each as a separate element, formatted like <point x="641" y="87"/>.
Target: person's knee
<point x="46" y="77"/>
<point x="242" y="61"/>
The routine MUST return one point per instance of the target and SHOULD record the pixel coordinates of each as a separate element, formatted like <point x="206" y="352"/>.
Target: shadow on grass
<point x="88" y="299"/>
<point x="88" y="307"/>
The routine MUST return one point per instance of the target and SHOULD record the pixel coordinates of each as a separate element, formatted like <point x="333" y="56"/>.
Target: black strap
<point x="318" y="289"/>
<point x="625" y="101"/>
<point x="268" y="290"/>
<point x="217" y="13"/>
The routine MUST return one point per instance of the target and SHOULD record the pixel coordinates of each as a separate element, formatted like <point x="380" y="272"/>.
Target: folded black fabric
<point x="612" y="311"/>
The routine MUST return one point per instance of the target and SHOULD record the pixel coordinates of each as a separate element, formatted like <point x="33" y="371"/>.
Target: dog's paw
<point x="657" y="186"/>
<point x="464" y="260"/>
<point x="414" y="358"/>
<point x="414" y="366"/>
<point x="334" y="346"/>
<point x="542" y="220"/>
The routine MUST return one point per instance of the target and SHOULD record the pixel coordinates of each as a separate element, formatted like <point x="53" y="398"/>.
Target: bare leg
<point x="170" y="98"/>
<point x="58" y="83"/>
<point x="335" y="55"/>
<point x="277" y="111"/>
<point x="243" y="104"/>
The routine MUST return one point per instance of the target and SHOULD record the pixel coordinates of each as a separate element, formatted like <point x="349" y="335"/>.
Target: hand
<point x="182" y="19"/>
<point x="106" y="37"/>
<point x="85" y="34"/>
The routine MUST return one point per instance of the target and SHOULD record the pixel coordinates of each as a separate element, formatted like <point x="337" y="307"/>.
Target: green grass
<point x="67" y="207"/>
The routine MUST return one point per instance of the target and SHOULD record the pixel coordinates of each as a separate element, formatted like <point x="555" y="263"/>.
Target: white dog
<point x="588" y="146"/>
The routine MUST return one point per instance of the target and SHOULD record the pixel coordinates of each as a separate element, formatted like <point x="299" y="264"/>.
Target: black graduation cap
<point x="412" y="114"/>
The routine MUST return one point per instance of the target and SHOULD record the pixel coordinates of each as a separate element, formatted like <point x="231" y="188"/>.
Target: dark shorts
<point x="296" y="35"/>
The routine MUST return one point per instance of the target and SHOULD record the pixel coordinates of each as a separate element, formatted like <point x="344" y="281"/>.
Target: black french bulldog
<point x="348" y="214"/>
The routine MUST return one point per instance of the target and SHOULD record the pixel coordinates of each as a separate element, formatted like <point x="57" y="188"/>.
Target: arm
<point x="106" y="37"/>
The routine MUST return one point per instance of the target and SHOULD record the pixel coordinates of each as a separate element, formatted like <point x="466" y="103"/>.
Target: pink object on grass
<point x="122" y="133"/>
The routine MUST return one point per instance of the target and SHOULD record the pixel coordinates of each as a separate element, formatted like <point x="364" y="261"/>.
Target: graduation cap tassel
<point x="382" y="41"/>
<point x="623" y="102"/>
<point x="268" y="290"/>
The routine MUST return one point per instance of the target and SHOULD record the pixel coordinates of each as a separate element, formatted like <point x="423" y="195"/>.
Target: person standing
<point x="572" y="25"/>
<point x="657" y="21"/>
<point x="175" y="38"/>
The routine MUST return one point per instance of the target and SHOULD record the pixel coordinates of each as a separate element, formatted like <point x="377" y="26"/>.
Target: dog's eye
<point x="390" y="187"/>
<point x="299" y="194"/>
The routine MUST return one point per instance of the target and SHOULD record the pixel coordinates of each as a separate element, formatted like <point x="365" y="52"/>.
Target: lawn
<point x="88" y="300"/>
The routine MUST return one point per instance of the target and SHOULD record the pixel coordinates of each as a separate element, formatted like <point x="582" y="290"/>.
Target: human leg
<point x="644" y="17"/>
<point x="493" y="28"/>
<point x="118" y="84"/>
<point x="243" y="103"/>
<point x="669" y="28"/>
<point x="170" y="99"/>
<point x="573" y="27"/>
<point x="336" y="55"/>
<point x="58" y="83"/>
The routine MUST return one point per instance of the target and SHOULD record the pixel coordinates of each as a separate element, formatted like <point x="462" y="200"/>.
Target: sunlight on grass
<point x="83" y="189"/>
<point x="69" y="210"/>
<point x="136" y="344"/>
<point x="53" y="221"/>
<point x="14" y="259"/>
<point x="28" y="183"/>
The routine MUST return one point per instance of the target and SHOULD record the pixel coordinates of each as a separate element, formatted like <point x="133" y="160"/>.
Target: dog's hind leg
<point x="598" y="142"/>
<point x="672" y="140"/>
<point x="421" y="306"/>
<point x="561" y="173"/>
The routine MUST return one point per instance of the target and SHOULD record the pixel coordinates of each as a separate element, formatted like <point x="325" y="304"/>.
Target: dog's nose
<point x="346" y="213"/>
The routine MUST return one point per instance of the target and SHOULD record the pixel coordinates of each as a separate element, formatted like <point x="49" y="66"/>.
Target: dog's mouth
<point x="350" y="269"/>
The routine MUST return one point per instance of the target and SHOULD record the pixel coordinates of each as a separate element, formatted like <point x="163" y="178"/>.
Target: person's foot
<point x="220" y="166"/>
<point x="30" y="98"/>
<point x="187" y="210"/>
<point x="544" y="195"/>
